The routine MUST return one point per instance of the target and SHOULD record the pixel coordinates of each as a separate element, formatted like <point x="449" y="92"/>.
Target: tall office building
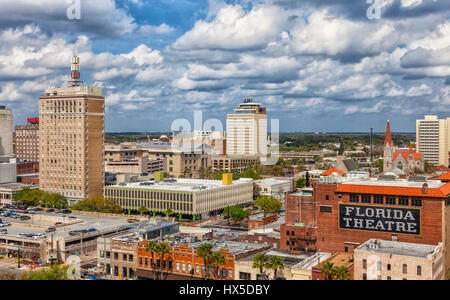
<point x="247" y="130"/>
<point x="71" y="136"/>
<point x="432" y="138"/>
<point x="27" y="141"/>
<point x="6" y="132"/>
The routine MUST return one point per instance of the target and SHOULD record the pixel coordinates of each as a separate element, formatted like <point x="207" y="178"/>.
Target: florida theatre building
<point x="341" y="214"/>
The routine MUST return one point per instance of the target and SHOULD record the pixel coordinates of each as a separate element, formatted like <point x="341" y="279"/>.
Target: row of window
<point x="389" y="267"/>
<point x="386" y="199"/>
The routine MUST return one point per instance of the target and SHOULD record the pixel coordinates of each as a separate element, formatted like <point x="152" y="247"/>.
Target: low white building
<point x="277" y="187"/>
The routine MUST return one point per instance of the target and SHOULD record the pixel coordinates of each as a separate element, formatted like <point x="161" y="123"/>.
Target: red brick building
<point x="342" y="216"/>
<point x="257" y="221"/>
<point x="27" y="141"/>
<point x="183" y="262"/>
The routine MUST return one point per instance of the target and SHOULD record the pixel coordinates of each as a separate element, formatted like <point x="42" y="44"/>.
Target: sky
<point x="317" y="65"/>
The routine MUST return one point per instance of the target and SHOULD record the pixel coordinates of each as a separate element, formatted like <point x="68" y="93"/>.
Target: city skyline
<point x="301" y="61"/>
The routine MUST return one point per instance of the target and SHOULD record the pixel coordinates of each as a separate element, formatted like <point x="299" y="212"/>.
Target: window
<point x="140" y="260"/>
<point x="124" y="257"/>
<point x="327" y="197"/>
<point x="388" y="278"/>
<point x="419" y="271"/>
<point x="390" y="200"/>
<point x="403" y="201"/>
<point x="230" y="273"/>
<point x="116" y="255"/>
<point x="365" y="199"/>
<point x="364" y="276"/>
<point x="244" y="276"/>
<point x="116" y="271"/>
<point x="364" y="263"/>
<point x="287" y="232"/>
<point x="378" y="199"/>
<point x="405" y="269"/>
<point x="354" y="198"/>
<point x="325" y="209"/>
<point x="178" y="266"/>
<point x="146" y="261"/>
<point x="388" y="267"/>
<point x="416" y="202"/>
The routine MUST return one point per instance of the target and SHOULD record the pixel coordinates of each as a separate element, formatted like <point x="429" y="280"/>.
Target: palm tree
<point x="163" y="249"/>
<point x="276" y="263"/>
<point x="205" y="251"/>
<point x="142" y="210"/>
<point x="152" y="247"/>
<point x="260" y="262"/>
<point x="217" y="260"/>
<point x="168" y="212"/>
<point x="327" y="270"/>
<point x="341" y="273"/>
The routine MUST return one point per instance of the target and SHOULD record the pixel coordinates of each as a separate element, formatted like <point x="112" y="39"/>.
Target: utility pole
<point x="371" y="144"/>
<point x="18" y="257"/>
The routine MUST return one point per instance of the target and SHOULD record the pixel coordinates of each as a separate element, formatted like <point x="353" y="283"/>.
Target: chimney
<point x="425" y="188"/>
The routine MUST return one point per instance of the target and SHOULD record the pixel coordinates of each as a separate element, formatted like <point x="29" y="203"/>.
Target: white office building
<point x="432" y="138"/>
<point x="247" y="130"/>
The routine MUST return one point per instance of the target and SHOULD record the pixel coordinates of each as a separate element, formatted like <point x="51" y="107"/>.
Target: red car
<point x="58" y="223"/>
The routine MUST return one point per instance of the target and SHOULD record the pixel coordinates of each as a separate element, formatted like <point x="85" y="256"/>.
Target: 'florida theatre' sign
<point x="376" y="218"/>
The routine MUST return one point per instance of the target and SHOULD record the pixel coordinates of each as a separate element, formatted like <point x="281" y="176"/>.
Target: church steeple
<point x="388" y="139"/>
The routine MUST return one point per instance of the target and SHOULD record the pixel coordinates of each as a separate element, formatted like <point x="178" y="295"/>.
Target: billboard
<point x="379" y="218"/>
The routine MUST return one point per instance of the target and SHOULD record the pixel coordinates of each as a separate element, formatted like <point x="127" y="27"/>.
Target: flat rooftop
<point x="180" y="185"/>
<point x="397" y="248"/>
<point x="392" y="183"/>
<point x="87" y="222"/>
<point x="288" y="258"/>
<point x="312" y="261"/>
<point x="15" y="186"/>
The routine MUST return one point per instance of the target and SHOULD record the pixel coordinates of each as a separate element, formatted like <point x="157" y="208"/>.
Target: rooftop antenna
<point x="75" y="70"/>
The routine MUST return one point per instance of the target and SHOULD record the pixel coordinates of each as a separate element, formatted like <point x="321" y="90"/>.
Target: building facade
<point x="247" y="130"/>
<point x="389" y="260"/>
<point x="27" y="141"/>
<point x="6" y="132"/>
<point x="432" y="138"/>
<point x="72" y="132"/>
<point x="233" y="163"/>
<point x="342" y="215"/>
<point x="182" y="196"/>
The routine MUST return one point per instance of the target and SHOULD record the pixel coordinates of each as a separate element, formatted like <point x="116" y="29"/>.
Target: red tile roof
<point x="440" y="192"/>
<point x="445" y="176"/>
<point x="332" y="171"/>
<point x="416" y="156"/>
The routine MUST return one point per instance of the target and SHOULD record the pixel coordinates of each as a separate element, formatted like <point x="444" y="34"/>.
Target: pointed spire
<point x="388" y="139"/>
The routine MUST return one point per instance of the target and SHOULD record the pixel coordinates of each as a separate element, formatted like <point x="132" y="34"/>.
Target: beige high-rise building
<point x="247" y="130"/>
<point x="432" y="138"/>
<point x="72" y="133"/>
<point x="6" y="132"/>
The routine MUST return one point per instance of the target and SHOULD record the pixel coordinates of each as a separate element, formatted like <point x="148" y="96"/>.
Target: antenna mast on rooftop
<point x="75" y="70"/>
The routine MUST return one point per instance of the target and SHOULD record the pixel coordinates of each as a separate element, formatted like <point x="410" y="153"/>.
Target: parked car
<point x="50" y="210"/>
<point x="25" y="218"/>
<point x="66" y="211"/>
<point x="50" y="229"/>
<point x="3" y="231"/>
<point x="58" y="223"/>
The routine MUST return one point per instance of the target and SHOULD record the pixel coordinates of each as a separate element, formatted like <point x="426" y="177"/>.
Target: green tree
<point x="237" y="213"/>
<point x="152" y="247"/>
<point x="300" y="183"/>
<point x="341" y="273"/>
<point x="143" y="210"/>
<point x="205" y="251"/>
<point x="269" y="204"/>
<point x="260" y="261"/>
<point x="327" y="270"/>
<point x="217" y="260"/>
<point x="163" y="249"/>
<point x="250" y="173"/>
<point x="168" y="212"/>
<point x="56" y="272"/>
<point x="98" y="203"/>
<point x="276" y="263"/>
